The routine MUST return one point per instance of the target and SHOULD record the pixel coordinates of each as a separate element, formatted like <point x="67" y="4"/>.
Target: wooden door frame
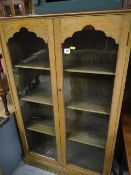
<point x="5" y="34"/>
<point x="118" y="91"/>
<point x="123" y="58"/>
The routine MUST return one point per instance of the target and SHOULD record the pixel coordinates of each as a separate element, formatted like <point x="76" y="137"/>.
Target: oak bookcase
<point x="67" y="75"/>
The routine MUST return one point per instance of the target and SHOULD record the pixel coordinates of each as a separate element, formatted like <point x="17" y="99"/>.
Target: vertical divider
<point x="59" y="71"/>
<point x="54" y="85"/>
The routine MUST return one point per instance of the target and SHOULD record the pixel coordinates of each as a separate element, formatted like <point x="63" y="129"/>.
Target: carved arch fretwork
<point x="90" y="38"/>
<point x="110" y="25"/>
<point x="37" y="26"/>
<point x="24" y="43"/>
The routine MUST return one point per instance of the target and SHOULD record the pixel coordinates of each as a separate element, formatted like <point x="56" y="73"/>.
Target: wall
<point x="77" y="5"/>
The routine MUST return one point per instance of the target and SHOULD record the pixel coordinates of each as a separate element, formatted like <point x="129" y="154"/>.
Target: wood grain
<point x="87" y="138"/>
<point x="89" y="107"/>
<point x="38" y="97"/>
<point x="102" y="70"/>
<point x="119" y="85"/>
<point x="37" y="64"/>
<point x="44" y="126"/>
<point x="98" y="22"/>
<point x="54" y="29"/>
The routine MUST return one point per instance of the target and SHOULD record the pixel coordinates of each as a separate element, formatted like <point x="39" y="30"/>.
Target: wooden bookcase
<point x="67" y="75"/>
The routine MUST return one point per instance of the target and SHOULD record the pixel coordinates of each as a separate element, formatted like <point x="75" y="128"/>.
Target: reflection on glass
<point x="89" y="62"/>
<point x="30" y="61"/>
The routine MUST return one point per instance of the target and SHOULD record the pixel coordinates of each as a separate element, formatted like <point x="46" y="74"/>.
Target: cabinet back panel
<point x="84" y="87"/>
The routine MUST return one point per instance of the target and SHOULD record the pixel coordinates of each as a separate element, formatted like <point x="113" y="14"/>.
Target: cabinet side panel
<point x="119" y="85"/>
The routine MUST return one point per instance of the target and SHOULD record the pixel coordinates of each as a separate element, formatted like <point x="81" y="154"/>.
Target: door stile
<point x="60" y="88"/>
<point x="54" y="86"/>
<point x="118" y="91"/>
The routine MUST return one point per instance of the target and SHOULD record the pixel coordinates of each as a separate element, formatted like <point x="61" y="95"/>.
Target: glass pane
<point x="30" y="61"/>
<point x="89" y="61"/>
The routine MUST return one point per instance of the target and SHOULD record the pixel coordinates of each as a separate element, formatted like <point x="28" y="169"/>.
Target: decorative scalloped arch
<point x="110" y="24"/>
<point x="38" y="26"/>
<point x="90" y="38"/>
<point x="23" y="43"/>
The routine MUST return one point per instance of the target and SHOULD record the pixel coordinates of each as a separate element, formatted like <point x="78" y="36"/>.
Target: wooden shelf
<point x="104" y="70"/>
<point x="38" y="64"/>
<point x="38" y="97"/>
<point x="42" y="126"/>
<point x="89" y="107"/>
<point x="88" y="138"/>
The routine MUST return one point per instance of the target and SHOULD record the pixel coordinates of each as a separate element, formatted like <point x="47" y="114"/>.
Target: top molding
<point x="117" y="12"/>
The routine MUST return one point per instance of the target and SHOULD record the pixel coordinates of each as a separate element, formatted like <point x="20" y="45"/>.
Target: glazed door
<point x="91" y="57"/>
<point x="29" y="54"/>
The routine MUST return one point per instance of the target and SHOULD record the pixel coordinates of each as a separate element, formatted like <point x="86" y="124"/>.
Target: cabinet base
<point x="54" y="168"/>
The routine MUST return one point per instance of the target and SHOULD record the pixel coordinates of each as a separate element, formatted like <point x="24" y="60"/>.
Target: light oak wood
<point x="109" y="29"/>
<point x="36" y="65"/>
<point x="60" y="37"/>
<point x="89" y="107"/>
<point x="7" y="58"/>
<point x="59" y="71"/>
<point x="42" y="158"/>
<point x="54" y="88"/>
<point x="81" y="170"/>
<point x="119" y="85"/>
<point x="34" y="159"/>
<point x="102" y="70"/>
<point x="87" y="138"/>
<point x="54" y="29"/>
<point x="67" y="32"/>
<point x="38" y="97"/>
<point x="44" y="126"/>
<point x="15" y="27"/>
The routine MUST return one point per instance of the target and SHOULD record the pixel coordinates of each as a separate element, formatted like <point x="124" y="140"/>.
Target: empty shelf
<point x="42" y="126"/>
<point x="87" y="138"/>
<point x="104" y="70"/>
<point x="38" y="97"/>
<point x="89" y="107"/>
<point x="38" y="64"/>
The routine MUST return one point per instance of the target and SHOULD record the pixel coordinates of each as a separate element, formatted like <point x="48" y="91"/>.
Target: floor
<point x="30" y="170"/>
